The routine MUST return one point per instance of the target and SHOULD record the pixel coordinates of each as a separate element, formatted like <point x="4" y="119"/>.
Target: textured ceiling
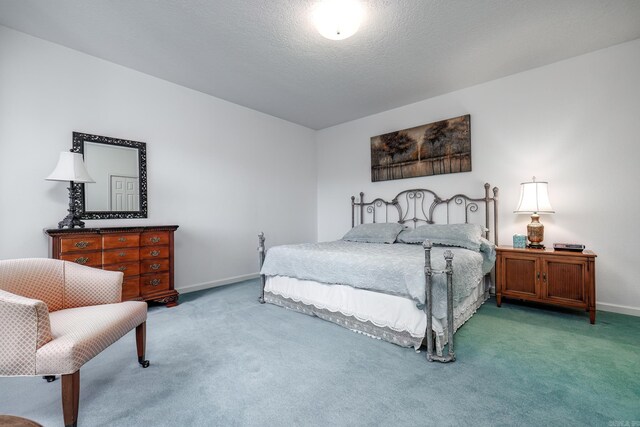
<point x="266" y="55"/>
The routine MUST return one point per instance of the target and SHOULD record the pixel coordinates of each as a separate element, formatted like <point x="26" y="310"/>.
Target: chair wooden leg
<point x="141" y="342"/>
<point x="70" y="398"/>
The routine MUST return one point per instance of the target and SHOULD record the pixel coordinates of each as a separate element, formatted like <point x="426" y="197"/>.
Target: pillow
<point x="374" y="233"/>
<point x="462" y="235"/>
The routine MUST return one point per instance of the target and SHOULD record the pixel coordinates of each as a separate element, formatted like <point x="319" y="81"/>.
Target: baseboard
<point x="615" y="308"/>
<point x="216" y="283"/>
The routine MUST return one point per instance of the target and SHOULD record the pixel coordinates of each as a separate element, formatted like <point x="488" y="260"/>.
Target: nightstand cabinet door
<point x="565" y="280"/>
<point x="521" y="276"/>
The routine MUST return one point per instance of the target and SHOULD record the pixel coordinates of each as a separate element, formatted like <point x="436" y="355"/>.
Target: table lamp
<point x="70" y="168"/>
<point x="534" y="199"/>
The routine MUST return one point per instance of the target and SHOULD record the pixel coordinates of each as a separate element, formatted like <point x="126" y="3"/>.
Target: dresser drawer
<point x="115" y="256"/>
<point x="128" y="268"/>
<point x="91" y="259"/>
<point x="152" y="238"/>
<point x="130" y="288"/>
<point x="121" y="241"/>
<point x="154" y="282"/>
<point x="154" y="252"/>
<point x="154" y="265"/>
<point x="76" y="244"/>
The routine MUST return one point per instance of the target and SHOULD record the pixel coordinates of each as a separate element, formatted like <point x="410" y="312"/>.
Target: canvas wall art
<point x="432" y="149"/>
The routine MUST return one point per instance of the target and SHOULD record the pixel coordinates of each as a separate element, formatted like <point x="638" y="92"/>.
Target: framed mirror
<point x="119" y="169"/>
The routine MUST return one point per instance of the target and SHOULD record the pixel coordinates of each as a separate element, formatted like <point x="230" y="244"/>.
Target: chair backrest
<point x="36" y="278"/>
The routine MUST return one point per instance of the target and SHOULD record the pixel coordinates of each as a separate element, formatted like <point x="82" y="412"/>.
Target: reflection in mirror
<point x="117" y="186"/>
<point x="119" y="170"/>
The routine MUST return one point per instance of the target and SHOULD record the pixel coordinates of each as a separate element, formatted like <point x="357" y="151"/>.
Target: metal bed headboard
<point x="421" y="206"/>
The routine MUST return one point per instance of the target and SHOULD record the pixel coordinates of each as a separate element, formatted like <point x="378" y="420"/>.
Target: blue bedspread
<point x="395" y="269"/>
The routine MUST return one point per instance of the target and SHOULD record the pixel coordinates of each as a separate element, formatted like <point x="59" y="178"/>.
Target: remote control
<point x="568" y="247"/>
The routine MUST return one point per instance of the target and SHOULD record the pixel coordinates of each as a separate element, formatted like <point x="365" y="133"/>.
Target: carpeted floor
<point x="220" y="358"/>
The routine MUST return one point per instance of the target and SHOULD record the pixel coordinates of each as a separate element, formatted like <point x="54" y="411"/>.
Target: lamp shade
<point x="337" y="19"/>
<point x="70" y="167"/>
<point x="534" y="198"/>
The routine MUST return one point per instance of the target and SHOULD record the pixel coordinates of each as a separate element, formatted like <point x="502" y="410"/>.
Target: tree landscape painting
<point x="432" y="149"/>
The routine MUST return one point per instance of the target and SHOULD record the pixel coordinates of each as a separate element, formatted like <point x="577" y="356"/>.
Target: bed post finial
<point x="361" y="207"/>
<point x="261" y="255"/>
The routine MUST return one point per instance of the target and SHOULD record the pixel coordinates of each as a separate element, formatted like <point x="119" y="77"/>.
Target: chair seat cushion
<point x="81" y="333"/>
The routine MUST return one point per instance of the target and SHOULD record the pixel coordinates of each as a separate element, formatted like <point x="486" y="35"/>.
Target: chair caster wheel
<point x="49" y="378"/>
<point x="144" y="363"/>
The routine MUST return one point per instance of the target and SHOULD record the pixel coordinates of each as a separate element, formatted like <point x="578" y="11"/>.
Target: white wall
<point x="573" y="123"/>
<point x="220" y="171"/>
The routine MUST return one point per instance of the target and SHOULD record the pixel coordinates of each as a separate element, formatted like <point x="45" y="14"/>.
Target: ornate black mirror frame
<point x="79" y="190"/>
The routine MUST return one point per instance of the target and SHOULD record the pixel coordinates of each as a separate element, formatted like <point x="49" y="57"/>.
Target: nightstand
<point x="561" y="278"/>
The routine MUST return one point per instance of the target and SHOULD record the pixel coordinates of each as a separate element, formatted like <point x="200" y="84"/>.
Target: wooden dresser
<point x="143" y="254"/>
<point x="562" y="278"/>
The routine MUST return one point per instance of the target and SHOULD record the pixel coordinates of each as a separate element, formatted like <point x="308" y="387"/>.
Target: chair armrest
<point x="84" y="286"/>
<point x="25" y="328"/>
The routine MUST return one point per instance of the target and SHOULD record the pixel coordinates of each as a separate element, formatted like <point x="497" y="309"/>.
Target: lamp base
<point x="535" y="233"/>
<point x="535" y="246"/>
<point x="71" y="221"/>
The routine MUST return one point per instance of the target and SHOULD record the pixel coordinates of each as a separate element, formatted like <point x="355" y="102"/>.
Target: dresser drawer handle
<point x="81" y="260"/>
<point x="154" y="239"/>
<point x="82" y="244"/>
<point x="155" y="253"/>
<point x="122" y="254"/>
<point x="122" y="268"/>
<point x="154" y="266"/>
<point x="122" y="239"/>
<point x="155" y="282"/>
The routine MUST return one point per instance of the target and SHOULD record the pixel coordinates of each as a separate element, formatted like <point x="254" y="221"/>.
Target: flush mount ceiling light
<point x="338" y="19"/>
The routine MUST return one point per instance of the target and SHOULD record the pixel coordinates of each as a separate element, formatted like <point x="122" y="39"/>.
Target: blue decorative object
<point x="519" y="241"/>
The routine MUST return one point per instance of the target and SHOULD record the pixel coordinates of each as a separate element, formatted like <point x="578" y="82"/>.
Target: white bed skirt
<point x="387" y="312"/>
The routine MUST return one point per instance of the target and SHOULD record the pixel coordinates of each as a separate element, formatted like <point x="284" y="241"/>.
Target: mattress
<point x="389" y="317"/>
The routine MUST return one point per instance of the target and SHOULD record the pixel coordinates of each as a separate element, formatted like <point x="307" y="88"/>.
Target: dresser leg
<point x="498" y="300"/>
<point x="592" y="315"/>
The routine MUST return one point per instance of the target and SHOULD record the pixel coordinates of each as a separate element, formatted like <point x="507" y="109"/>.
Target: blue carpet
<point x="220" y="358"/>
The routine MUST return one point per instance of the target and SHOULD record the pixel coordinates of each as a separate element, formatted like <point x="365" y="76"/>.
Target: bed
<point x="411" y="270"/>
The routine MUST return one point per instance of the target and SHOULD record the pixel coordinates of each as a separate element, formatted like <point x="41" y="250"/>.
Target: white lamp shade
<point x="534" y="198"/>
<point x="337" y="19"/>
<point x="70" y="167"/>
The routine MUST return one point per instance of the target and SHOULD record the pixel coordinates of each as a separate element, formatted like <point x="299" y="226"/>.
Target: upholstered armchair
<point x="56" y="315"/>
